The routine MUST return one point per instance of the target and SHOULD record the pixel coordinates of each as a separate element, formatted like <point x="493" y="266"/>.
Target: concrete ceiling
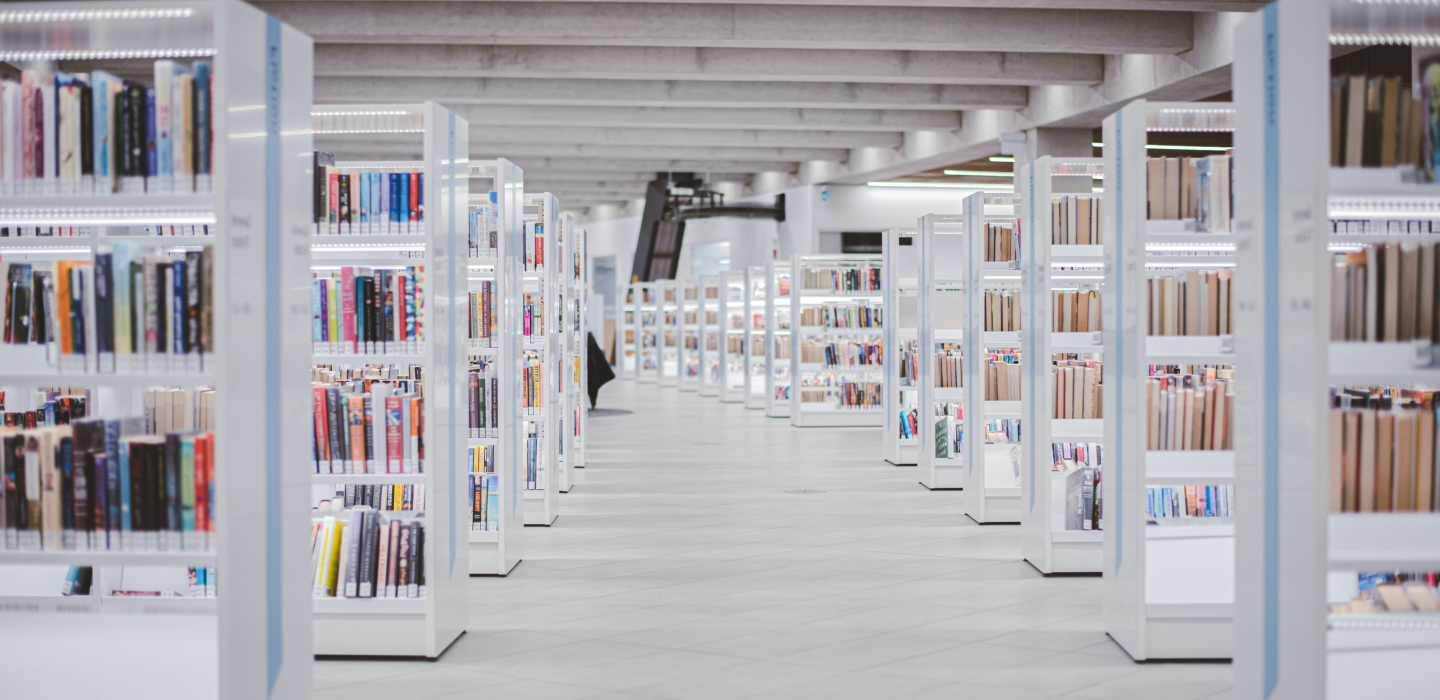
<point x="593" y="98"/>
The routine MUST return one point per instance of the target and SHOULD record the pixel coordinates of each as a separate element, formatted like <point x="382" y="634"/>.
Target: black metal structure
<point x="662" y="225"/>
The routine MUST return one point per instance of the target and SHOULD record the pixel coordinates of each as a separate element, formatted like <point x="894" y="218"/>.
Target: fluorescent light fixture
<point x="975" y="187"/>
<point x="978" y="173"/>
<point x="1002" y="159"/>
<point x="1158" y="147"/>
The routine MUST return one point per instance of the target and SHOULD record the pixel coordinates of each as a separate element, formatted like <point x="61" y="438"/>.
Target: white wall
<point x="861" y="208"/>
<point x="614" y="237"/>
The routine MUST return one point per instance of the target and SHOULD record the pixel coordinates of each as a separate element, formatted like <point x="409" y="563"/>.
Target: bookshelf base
<point x="944" y="474"/>
<point x="904" y="454"/>
<point x="350" y="630"/>
<point x="858" y="418"/>
<point x="539" y="510"/>
<point x="993" y="506"/>
<point x="1071" y="552"/>
<point x="778" y="411"/>
<point x="1180" y="631"/>
<point x="485" y="559"/>
<point x="709" y="391"/>
<point x="1369" y="663"/>
<point x="100" y="648"/>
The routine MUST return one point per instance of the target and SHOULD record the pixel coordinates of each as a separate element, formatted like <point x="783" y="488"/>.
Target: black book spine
<point x="77" y="310"/>
<point x="119" y="134"/>
<point x="344" y="203"/>
<point x="332" y="415"/>
<point x="70" y="486"/>
<point x="367" y="555"/>
<point x="368" y="302"/>
<point x="390" y="310"/>
<point x="172" y="485"/>
<point x="87" y="130"/>
<point x="136" y="140"/>
<point x="192" y="301"/>
<point x="417" y="549"/>
<point x="104" y="306"/>
<point x="474" y="394"/>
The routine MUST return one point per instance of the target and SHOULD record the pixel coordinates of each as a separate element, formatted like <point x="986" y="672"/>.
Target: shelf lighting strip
<point x="35" y="16"/>
<point x="104" y="54"/>
<point x="102" y="216"/>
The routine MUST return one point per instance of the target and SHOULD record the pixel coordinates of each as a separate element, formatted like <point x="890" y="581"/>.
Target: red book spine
<point x="393" y="447"/>
<point x="414" y="197"/>
<point x="540" y="251"/>
<point x="202" y="483"/>
<point x="334" y="190"/>
<point x="347" y="309"/>
<point x="322" y="432"/>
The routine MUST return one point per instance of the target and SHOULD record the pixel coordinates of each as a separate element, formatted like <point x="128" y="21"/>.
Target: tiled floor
<point x="680" y="569"/>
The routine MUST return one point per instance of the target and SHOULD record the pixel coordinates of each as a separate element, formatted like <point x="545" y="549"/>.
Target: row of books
<point x="1188" y="412"/>
<point x="757" y="348"/>
<point x="127" y="311"/>
<point x="484" y="394"/>
<point x="841" y="353"/>
<point x="1383" y="456"/>
<point x="843" y="394"/>
<point x="1002" y="377"/>
<point x="1072" y="455"/>
<point x="1392" y="593"/>
<point x="1076" y="220"/>
<point x="94" y="133"/>
<point x="176" y="409"/>
<point x="860" y="315"/>
<point x="905" y="359"/>
<point x="949" y="366"/>
<point x="1002" y="431"/>
<point x="691" y="317"/>
<point x="485" y="315"/>
<point x="1191" y="302"/>
<point x="1190" y="501"/>
<point x="484" y="229"/>
<point x="57" y="407"/>
<point x="363" y="202"/>
<point x="363" y="554"/>
<point x="158" y="230"/>
<point x="909" y="423"/>
<point x="484" y="492"/>
<point x="1385" y="292"/>
<point x="103" y="485"/>
<point x="949" y="430"/>
<point x="1386" y="226"/>
<point x="481" y="458"/>
<point x="1002" y="310"/>
<point x="1376" y="121"/>
<point x="1084" y="496"/>
<point x="691" y="341"/>
<point x="735" y="344"/>
<point x="532" y="376"/>
<point x="532" y="316"/>
<point x="532" y="244"/>
<point x="379" y="429"/>
<point x="1078" y="393"/>
<point x="368" y="311"/>
<point x="1075" y="312"/>
<point x="384" y="497"/>
<point x="534" y="447"/>
<point x="1002" y="243"/>
<point x="841" y="279"/>
<point x="1196" y="189"/>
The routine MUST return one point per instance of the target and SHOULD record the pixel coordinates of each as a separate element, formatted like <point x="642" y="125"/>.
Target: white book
<point x="164" y="179"/>
<point x="46" y="82"/>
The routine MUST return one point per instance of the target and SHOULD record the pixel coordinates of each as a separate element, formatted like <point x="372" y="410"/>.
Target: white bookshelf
<point x="1046" y="267"/>
<point x="628" y="331"/>
<point x="540" y="486"/>
<point x="732" y="336"/>
<point x="691" y="316"/>
<point x="254" y="639"/>
<point x="668" y="369"/>
<point x="712" y="336"/>
<point x="825" y="384"/>
<point x="647" y="333"/>
<point x="779" y="344"/>
<point x="901" y="338"/>
<point x="567" y="397"/>
<point x="1169" y="587"/>
<point x="496" y="552"/>
<point x="992" y="470"/>
<point x="1294" y="556"/>
<point x="756" y="301"/>
<point x="579" y="330"/>
<point x="940" y="322"/>
<point x="426" y="626"/>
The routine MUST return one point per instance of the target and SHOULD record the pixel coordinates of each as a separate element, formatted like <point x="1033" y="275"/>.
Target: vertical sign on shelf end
<point x="452" y="246"/>
<point x="1117" y="331"/>
<point x="274" y="284"/>
<point x="1271" y="300"/>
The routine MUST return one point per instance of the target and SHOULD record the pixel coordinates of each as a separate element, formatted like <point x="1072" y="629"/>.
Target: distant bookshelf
<point x="837" y="297"/>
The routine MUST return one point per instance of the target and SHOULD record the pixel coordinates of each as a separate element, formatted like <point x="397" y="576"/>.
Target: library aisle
<point x="682" y="568"/>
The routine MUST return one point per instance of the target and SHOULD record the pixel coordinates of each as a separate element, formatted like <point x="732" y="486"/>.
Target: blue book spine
<point x="124" y="488"/>
<point x="382" y="189"/>
<point x="202" y="117"/>
<point x="320" y="320"/>
<point x="152" y="160"/>
<point x="177" y="307"/>
<point x="377" y="222"/>
<point x="112" y="482"/>
<point x="404" y="207"/>
<point x="100" y="106"/>
<point x="324" y="310"/>
<point x="420" y="197"/>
